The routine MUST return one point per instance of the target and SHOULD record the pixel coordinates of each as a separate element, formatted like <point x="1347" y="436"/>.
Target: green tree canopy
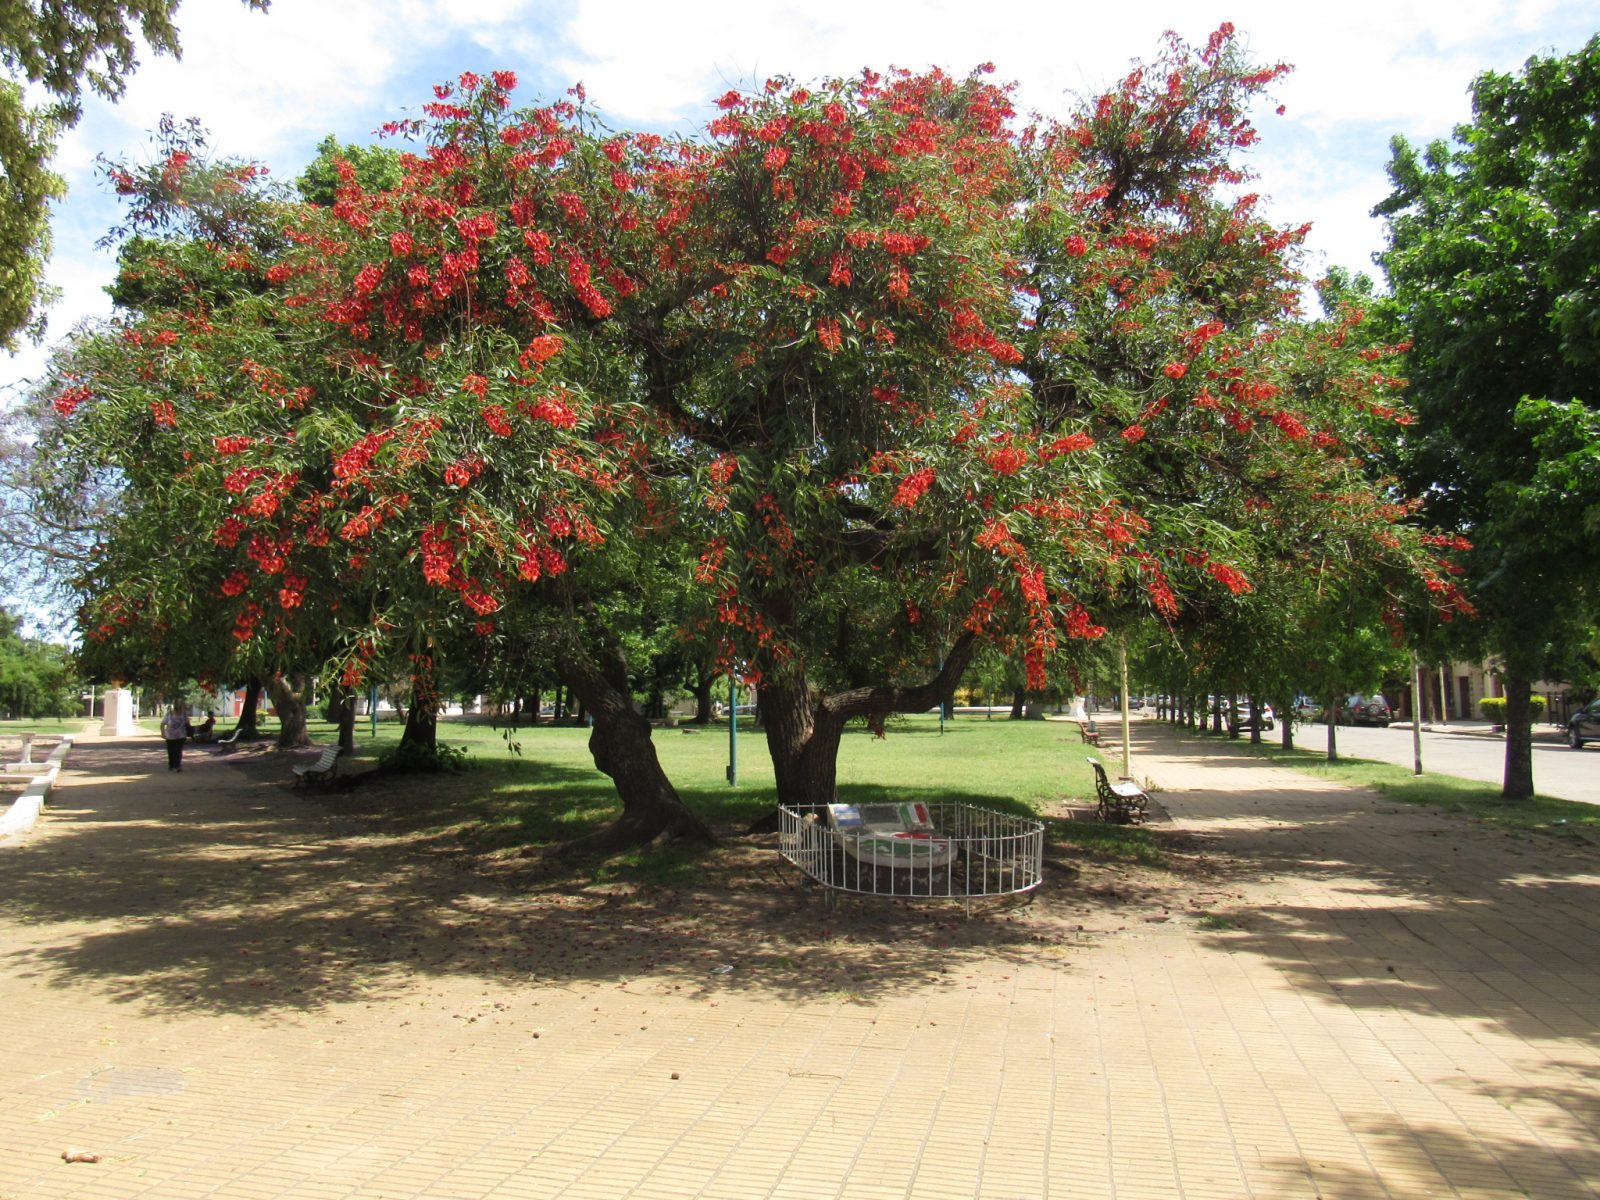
<point x="37" y="678"/>
<point x="1494" y="263"/>
<point x="64" y="48"/>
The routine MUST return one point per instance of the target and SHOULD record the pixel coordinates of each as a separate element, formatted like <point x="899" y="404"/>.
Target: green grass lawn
<point x="49" y="725"/>
<point x="1469" y="797"/>
<point x="551" y="791"/>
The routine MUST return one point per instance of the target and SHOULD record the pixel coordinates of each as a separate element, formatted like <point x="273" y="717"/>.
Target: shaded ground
<point x="270" y="897"/>
<point x="228" y="988"/>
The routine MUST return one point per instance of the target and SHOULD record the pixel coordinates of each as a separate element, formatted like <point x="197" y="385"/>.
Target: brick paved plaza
<point x="224" y="989"/>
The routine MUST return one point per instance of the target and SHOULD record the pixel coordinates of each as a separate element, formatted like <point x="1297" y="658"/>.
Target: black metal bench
<point x="1121" y="803"/>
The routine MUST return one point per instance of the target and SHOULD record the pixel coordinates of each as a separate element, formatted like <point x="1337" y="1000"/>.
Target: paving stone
<point x="197" y="987"/>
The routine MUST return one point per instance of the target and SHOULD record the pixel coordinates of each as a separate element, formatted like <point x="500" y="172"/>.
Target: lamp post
<point x="1416" y="715"/>
<point x="1127" y="740"/>
<point x="733" y="732"/>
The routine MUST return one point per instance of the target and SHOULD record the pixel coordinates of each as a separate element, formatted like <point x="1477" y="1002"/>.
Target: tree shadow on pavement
<point x="223" y="890"/>
<point x="1387" y="908"/>
<point x="1425" y="1158"/>
<point x="1385" y="904"/>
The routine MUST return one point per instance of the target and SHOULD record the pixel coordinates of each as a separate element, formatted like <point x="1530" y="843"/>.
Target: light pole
<point x="733" y="732"/>
<point x="1416" y="715"/>
<point x="1127" y="740"/>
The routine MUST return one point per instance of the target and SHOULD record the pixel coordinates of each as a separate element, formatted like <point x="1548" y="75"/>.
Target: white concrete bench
<point x="24" y="811"/>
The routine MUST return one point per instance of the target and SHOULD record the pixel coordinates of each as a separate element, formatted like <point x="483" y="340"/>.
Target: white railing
<point x="969" y="852"/>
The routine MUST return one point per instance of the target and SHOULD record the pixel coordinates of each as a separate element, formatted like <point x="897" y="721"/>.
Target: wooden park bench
<point x="321" y="771"/>
<point x="1121" y="803"/>
<point x="1089" y="734"/>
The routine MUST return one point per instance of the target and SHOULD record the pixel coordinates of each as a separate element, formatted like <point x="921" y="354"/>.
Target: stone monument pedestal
<point x="118" y="721"/>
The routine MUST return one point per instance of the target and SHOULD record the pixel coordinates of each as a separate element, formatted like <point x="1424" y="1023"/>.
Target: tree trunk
<point x="621" y="747"/>
<point x="343" y="706"/>
<point x="1286" y="721"/>
<point x="804" y="727"/>
<point x="704" y="681"/>
<point x="1518" y="783"/>
<point x="248" y="726"/>
<point x="803" y="741"/>
<point x="1019" y="704"/>
<point x="1331" y="712"/>
<point x="1255" y="721"/>
<point x="289" y="695"/>
<point x="422" y="719"/>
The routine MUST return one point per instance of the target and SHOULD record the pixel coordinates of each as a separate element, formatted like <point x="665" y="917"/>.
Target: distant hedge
<point x="1494" y="708"/>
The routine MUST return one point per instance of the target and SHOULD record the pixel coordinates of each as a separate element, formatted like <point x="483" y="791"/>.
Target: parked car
<point x="1584" y="726"/>
<point x="1366" y="710"/>
<point x="1307" y="710"/>
<point x="1239" y="716"/>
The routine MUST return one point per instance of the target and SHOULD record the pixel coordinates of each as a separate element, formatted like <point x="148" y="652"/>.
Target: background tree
<point x="1492" y="244"/>
<point x="376" y="169"/>
<point x="62" y="48"/>
<point x="37" y="678"/>
<point x="27" y="144"/>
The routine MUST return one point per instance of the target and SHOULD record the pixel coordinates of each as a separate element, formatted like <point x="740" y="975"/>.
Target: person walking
<point x="175" y="729"/>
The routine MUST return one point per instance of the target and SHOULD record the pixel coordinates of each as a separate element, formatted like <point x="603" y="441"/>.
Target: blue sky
<point x="269" y="87"/>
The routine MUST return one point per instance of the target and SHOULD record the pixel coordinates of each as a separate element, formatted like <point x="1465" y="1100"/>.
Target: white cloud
<point x="269" y="86"/>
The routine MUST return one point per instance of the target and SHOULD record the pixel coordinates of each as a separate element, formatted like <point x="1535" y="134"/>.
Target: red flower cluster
<point x="1230" y="577"/>
<point x="352" y="465"/>
<point x="552" y="410"/>
<point x="438" y="554"/>
<point x="913" y="487"/>
<point x="494" y="416"/>
<point x="270" y="554"/>
<point x="463" y="471"/>
<point x="68" y="401"/>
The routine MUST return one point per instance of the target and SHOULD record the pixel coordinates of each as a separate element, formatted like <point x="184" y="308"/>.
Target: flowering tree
<point x="872" y="374"/>
<point x="954" y="381"/>
<point x="393" y="421"/>
<point x="830" y="360"/>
